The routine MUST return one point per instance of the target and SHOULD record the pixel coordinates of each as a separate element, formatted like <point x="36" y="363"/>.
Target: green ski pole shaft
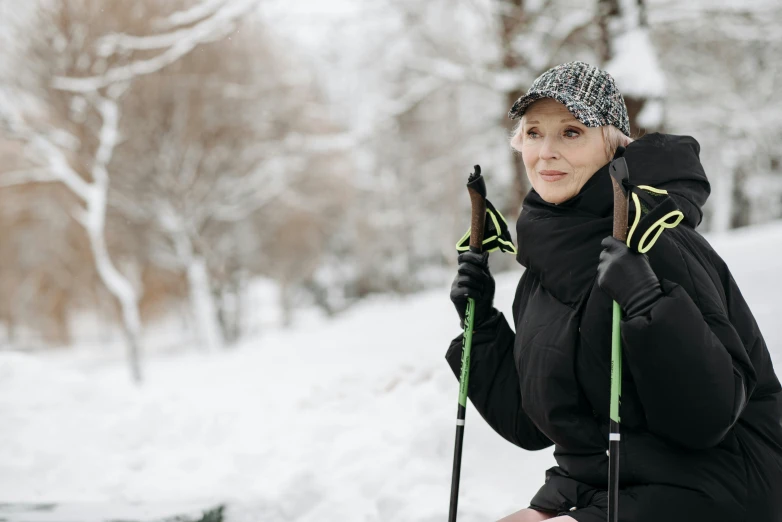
<point x="464" y="379"/>
<point x="614" y="436"/>
<point x="618" y="173"/>
<point x="477" y="188"/>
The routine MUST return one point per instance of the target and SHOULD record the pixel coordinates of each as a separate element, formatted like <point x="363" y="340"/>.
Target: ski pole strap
<point x="654" y="212"/>
<point x="496" y="235"/>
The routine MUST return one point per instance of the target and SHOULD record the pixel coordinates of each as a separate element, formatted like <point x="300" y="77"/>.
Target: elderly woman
<point x="701" y="405"/>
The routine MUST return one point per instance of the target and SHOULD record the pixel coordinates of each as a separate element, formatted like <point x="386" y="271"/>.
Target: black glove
<point x="627" y="278"/>
<point x="474" y="280"/>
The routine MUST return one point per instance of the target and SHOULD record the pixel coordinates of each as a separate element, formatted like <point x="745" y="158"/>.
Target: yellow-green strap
<point x="653" y="232"/>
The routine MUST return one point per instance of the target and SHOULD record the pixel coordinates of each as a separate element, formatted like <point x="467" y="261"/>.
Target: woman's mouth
<point x="552" y="175"/>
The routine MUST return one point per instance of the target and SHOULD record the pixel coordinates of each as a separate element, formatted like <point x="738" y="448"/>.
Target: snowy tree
<point x="435" y="105"/>
<point x="213" y="154"/>
<point x="82" y="63"/>
<point x="43" y="280"/>
<point x="722" y="62"/>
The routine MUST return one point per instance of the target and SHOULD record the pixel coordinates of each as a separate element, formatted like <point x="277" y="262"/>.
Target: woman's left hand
<point x="627" y="277"/>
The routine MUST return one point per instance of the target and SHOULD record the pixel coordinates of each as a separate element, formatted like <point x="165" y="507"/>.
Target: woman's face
<point x="560" y="153"/>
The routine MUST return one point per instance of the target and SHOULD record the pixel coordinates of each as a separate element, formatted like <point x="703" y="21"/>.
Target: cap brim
<point x="580" y="111"/>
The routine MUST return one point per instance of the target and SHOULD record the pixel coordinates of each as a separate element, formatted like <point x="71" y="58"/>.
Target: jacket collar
<point x="560" y="244"/>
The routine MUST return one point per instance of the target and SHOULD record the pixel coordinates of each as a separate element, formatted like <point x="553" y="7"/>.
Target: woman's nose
<point x="549" y="148"/>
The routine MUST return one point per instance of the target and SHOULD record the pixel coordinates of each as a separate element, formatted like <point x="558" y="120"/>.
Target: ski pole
<point x="477" y="189"/>
<point x="619" y="173"/>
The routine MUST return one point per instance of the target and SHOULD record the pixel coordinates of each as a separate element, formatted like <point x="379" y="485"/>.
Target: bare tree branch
<point x="176" y="44"/>
<point x="190" y="15"/>
<point x="22" y="177"/>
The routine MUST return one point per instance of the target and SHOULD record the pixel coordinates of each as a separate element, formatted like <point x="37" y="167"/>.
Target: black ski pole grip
<point x="619" y="176"/>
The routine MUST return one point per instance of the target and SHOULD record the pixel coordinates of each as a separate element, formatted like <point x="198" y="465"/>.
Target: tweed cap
<point x="587" y="92"/>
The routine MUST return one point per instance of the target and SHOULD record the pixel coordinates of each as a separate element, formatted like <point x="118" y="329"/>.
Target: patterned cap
<point x="587" y="92"/>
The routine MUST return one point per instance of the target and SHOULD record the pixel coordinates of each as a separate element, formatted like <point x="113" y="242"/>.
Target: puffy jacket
<point x="701" y="405"/>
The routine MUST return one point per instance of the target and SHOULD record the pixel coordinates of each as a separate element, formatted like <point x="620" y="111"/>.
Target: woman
<point x="701" y="405"/>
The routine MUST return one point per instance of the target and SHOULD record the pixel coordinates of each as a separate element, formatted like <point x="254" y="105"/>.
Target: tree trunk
<point x="203" y="303"/>
<point x="724" y="189"/>
<point x="134" y="349"/>
<point x="607" y="9"/>
<point x="120" y="288"/>
<point x="93" y="220"/>
<point x="286" y="303"/>
<point x="227" y="301"/>
<point x="510" y="61"/>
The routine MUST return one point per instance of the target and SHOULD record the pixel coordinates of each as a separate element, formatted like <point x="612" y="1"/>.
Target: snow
<point x="635" y="67"/>
<point x="652" y="115"/>
<point x="332" y="420"/>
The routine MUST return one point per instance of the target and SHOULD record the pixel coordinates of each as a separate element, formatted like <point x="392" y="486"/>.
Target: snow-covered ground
<point x="343" y="420"/>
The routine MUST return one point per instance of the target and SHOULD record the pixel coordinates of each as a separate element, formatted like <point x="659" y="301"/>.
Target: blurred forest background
<point x="159" y="158"/>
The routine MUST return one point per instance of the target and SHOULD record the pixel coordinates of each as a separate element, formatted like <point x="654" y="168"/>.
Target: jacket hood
<point x="672" y="163"/>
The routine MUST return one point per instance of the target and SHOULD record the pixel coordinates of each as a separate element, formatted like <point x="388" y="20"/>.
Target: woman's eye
<point x="532" y="134"/>
<point x="570" y="133"/>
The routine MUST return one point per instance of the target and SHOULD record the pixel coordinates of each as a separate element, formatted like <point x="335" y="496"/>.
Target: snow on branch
<point x="238" y="208"/>
<point x="499" y="80"/>
<point x="635" y="66"/>
<point x="176" y="43"/>
<point x="118" y="42"/>
<point x="324" y="143"/>
<point x="109" y="135"/>
<point x="562" y="31"/>
<point x="190" y="15"/>
<point x="56" y="165"/>
<point x="414" y="95"/>
<point x="61" y="169"/>
<point x="446" y="70"/>
<point x="23" y="177"/>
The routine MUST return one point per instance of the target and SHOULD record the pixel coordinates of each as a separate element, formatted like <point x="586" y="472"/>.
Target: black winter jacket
<point x="701" y="406"/>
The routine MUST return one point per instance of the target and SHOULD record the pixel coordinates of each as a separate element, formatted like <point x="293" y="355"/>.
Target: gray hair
<point x="614" y="138"/>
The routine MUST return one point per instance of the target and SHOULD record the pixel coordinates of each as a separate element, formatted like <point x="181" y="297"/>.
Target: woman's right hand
<point x="473" y="279"/>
